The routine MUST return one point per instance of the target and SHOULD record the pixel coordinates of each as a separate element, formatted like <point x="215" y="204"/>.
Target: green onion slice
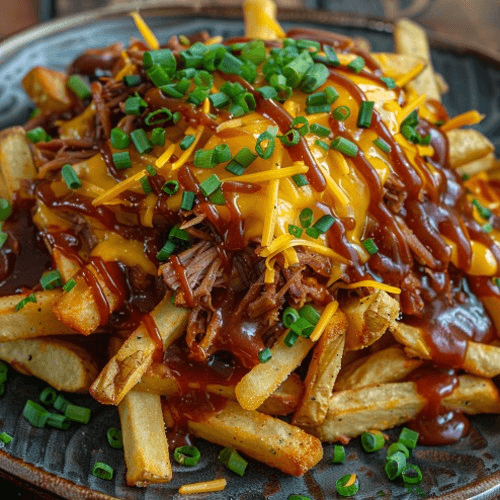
<point x="187" y="201"/>
<point x="316" y="76"/>
<point x="58" y="421"/>
<point x="115" y="438"/>
<point x="122" y="160"/>
<point x="3" y="238"/>
<point x="304" y="125"/>
<point x="322" y="144"/>
<point x="302" y="327"/>
<point x="357" y="64"/>
<point x="102" y="471"/>
<point x="312" y="232"/>
<point x="35" y="414"/>
<point x="313" y="110"/>
<point x="338" y="454"/>
<point x="347" y="485"/>
<point x="342" y="113"/>
<point x="70" y="177"/>
<point x="412" y="474"/>
<point x="306" y="217"/>
<point x="265" y="153"/>
<point x="268" y="92"/>
<point x="151" y="120"/>
<point x="344" y="146"/>
<point x="300" y="180"/>
<point x="295" y="230"/>
<point x="163" y="57"/>
<point x="372" y="441"/>
<point x="170" y="187"/>
<point x="5" y="209"/>
<point x="382" y="145"/>
<point x="61" y="403"/>
<point x="331" y="55"/>
<point x="233" y="461"/>
<point x="389" y="82"/>
<point x="26" y="300"/>
<point x="135" y="105"/>
<point x="291" y="138"/>
<point x="310" y="314"/>
<point x="187" y="455"/>
<point x="5" y="438"/>
<point x="483" y="212"/>
<point x="79" y="87"/>
<point x="265" y="355"/>
<point x="318" y="129"/>
<point x="69" y="285"/>
<point x="365" y="114"/>
<point x="187" y="141"/>
<point x="77" y="413"/>
<point x="132" y="80"/>
<point x="408" y="437"/>
<point x="291" y="338"/>
<point x="394" y="447"/>
<point x="290" y="315"/>
<point x="158" y="136"/>
<point x="395" y="465"/>
<point x="51" y="280"/>
<point x="298" y="497"/>
<point x="370" y="246"/>
<point x="151" y="170"/>
<point x="119" y="138"/>
<point x="166" y="251"/>
<point x="331" y="94"/>
<point x="37" y="134"/>
<point x="210" y="185"/>
<point x="48" y="396"/>
<point x="141" y="141"/>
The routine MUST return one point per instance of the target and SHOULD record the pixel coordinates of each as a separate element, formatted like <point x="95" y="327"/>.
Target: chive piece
<point x="265" y="355"/>
<point x="51" y="280"/>
<point x="151" y="170"/>
<point x="235" y="168"/>
<point x="135" y="105"/>
<point x="230" y="64"/>
<point x="408" y="437"/>
<point x="341" y="113"/>
<point x="222" y="153"/>
<point x="268" y="92"/>
<point x="58" y="421"/>
<point x="291" y="138"/>
<point x="70" y="177"/>
<point x="35" y="414"/>
<point x="61" y="403"/>
<point x="37" y="134"/>
<point x="410" y="133"/>
<point x="204" y="158"/>
<point x="300" y="180"/>
<point x="4" y="370"/>
<point x="102" y="470"/>
<point x="187" y="200"/>
<point x="163" y="57"/>
<point x="77" y="413"/>
<point x="323" y="224"/>
<point x="203" y="79"/>
<point x="318" y="129"/>
<point x="217" y="198"/>
<point x="347" y="485"/>
<point x="176" y="117"/>
<point x="295" y="230"/>
<point x="158" y="76"/>
<point x="331" y="56"/>
<point x="132" y="80"/>
<point x="310" y="314"/>
<point x="119" y="138"/>
<point x="178" y="235"/>
<point x="156" y="121"/>
<point x="394" y="447"/>
<point x="219" y="100"/>
<point x="3" y="238"/>
<point x="412" y="474"/>
<point x="115" y="438"/>
<point x="426" y="140"/>
<point x="158" y="136"/>
<point x="291" y="339"/>
<point x="313" y="110"/>
<point x="289" y="316"/>
<point x="497" y="282"/>
<point x="304" y="128"/>
<point x="338" y="454"/>
<point x="210" y="185"/>
<point x="213" y="57"/>
<point x="302" y="327"/>
<point x="244" y="157"/>
<point x="365" y="114"/>
<point x="331" y="94"/>
<point x="312" y="232"/>
<point x="308" y="44"/>
<point x="306" y="217"/>
<point x="389" y="82"/>
<point x="35" y="113"/>
<point x="487" y="228"/>
<point x="296" y="69"/>
<point x="122" y="160"/>
<point x="382" y="145"/>
<point x="372" y="441"/>
<point x="233" y="461"/>
<point x="48" y="396"/>
<point x="5" y="209"/>
<point x="254" y="51"/>
<point x="145" y="184"/>
<point x="26" y="300"/>
<point x="231" y="89"/>
<point x="5" y="438"/>
<point x="187" y="141"/>
<point x="187" y="455"/>
<point x="344" y="146"/>
<point x="69" y="285"/>
<point x="322" y="144"/>
<point x="172" y="91"/>
<point x="298" y="497"/>
<point x="198" y="95"/>
<point x="79" y="87"/>
<point x="317" y="99"/>
<point x="141" y="141"/>
<point x="316" y="76"/>
<point x="357" y="64"/>
<point x="395" y="465"/>
<point x="265" y="153"/>
<point x="166" y="251"/>
<point x="170" y="187"/>
<point x="483" y="212"/>
<point x="370" y="246"/>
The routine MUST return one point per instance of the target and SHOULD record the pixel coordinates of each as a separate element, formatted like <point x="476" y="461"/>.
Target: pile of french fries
<point x="357" y="375"/>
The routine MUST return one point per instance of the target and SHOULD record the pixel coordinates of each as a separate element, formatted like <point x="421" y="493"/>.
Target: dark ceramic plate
<point x="61" y="461"/>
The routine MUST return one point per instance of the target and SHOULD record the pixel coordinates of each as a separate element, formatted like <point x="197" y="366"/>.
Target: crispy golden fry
<point x="480" y="165"/>
<point x="63" y="365"/>
<point x="35" y="319"/>
<point x="410" y="39"/>
<point x="262" y="437"/>
<point x="16" y="161"/>
<point x="368" y="318"/>
<point x="144" y="441"/>
<point x="322" y="373"/>
<point x="263" y="379"/>
<point x="126" y="368"/>
<point x="47" y="89"/>
<point x="260" y="20"/>
<point x="467" y="145"/>
<point x="387" y="365"/>
<point x="398" y="65"/>
<point x="384" y="406"/>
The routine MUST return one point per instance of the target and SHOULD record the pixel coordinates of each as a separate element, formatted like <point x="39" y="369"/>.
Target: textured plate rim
<point x="481" y="489"/>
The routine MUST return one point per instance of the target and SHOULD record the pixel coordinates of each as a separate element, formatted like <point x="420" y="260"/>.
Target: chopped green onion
<point x="230" y="64"/>
<point x="165" y="111"/>
<point x="316" y="76"/>
<point x="5" y="438"/>
<point x="347" y="485"/>
<point x="244" y="157"/>
<point x="426" y="140"/>
<point x="132" y="80"/>
<point x="187" y="200"/>
<point x="308" y="44"/>
<point x="357" y="64"/>
<point x="102" y="470"/>
<point x="141" y="141"/>
<point x="158" y="76"/>
<point x="35" y="414"/>
<point x="219" y="100"/>
<point x="322" y="144"/>
<point x="151" y="170"/>
<point x="268" y="92"/>
<point x="26" y="300"/>
<point x="265" y="153"/>
<point x="158" y="136"/>
<point x="235" y="168"/>
<point x="365" y="114"/>
<point x="370" y="246"/>
<point x="176" y="117"/>
<point x="213" y="57"/>
<point x="166" y="251"/>
<point x="312" y="232"/>
<point x="5" y="209"/>
<point x="318" y="129"/>
<point x="265" y="355"/>
<point x="313" y="110"/>
<point x="306" y="217"/>
<point x="410" y="133"/>
<point x="338" y="454"/>
<point x="483" y="212"/>
<point x="411" y="119"/>
<point x="317" y="99"/>
<point x="300" y="120"/>
<point x="58" y="421"/>
<point x="187" y="141"/>
<point x="254" y="51"/>
<point x="119" y="138"/>
<point x="3" y="238"/>
<point x="198" y="95"/>
<point x="204" y="158"/>
<point x="172" y="91"/>
<point x="323" y="224"/>
<point x="115" y="438"/>
<point x="291" y="338"/>
<point x="48" y="396"/>
<point x="331" y="55"/>
<point x="310" y="314"/>
<point x="389" y="82"/>
<point x="163" y="57"/>
<point x="210" y="185"/>
<point x="487" y="228"/>
<point x="233" y="461"/>
<point x="249" y="72"/>
<point x="187" y="455"/>
<point x="344" y="146"/>
<point x="300" y="180"/>
<point x="70" y="177"/>
<point x="79" y="87"/>
<point x="51" y="280"/>
<point x="61" y="403"/>
<point x="222" y="153"/>
<point x="394" y="447"/>
<point x="135" y="105"/>
<point x="69" y="285"/>
<point x="291" y="138"/>
<point x="295" y="70"/>
<point x="232" y="89"/>
<point x="331" y="94"/>
<point x="395" y="465"/>
<point x="146" y="186"/>
<point x="217" y="198"/>
<point x="412" y="474"/>
<point x="204" y="79"/>
<point x="36" y="112"/>
<point x="408" y="437"/>
<point x="295" y="230"/>
<point x="37" y="134"/>
<point x="372" y="441"/>
<point x="382" y="145"/>
<point x="170" y="187"/>
<point x="342" y="113"/>
<point x="289" y="316"/>
<point x="178" y="235"/>
<point x="298" y="497"/>
<point x="302" y="327"/>
<point x="122" y="160"/>
<point x="4" y="370"/>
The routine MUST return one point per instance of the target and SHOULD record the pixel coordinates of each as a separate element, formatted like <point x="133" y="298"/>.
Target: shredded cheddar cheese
<point x="166" y="155"/>
<point x="145" y="31"/>
<point x="469" y="118"/>
<point x="119" y="188"/>
<point x="203" y="487"/>
<point x="269" y="175"/>
<point x="412" y="105"/>
<point x="370" y="284"/>
<point x="411" y="75"/>
<point x="325" y="318"/>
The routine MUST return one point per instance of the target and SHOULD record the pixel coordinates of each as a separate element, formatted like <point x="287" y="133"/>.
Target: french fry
<point x="410" y="39"/>
<point x="144" y="440"/>
<point x="383" y="406"/>
<point x="263" y="379"/>
<point x="398" y="65"/>
<point x="480" y="165"/>
<point x="260" y="20"/>
<point x="134" y="357"/>
<point x="63" y="365"/>
<point x="35" y="319"/>
<point x="387" y="365"/>
<point x="368" y="318"/>
<point x="322" y="373"/>
<point x="466" y="146"/>
<point x="16" y="161"/>
<point x="262" y="437"/>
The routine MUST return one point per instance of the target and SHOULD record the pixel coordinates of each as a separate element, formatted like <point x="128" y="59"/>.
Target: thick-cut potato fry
<point x="368" y="318"/>
<point x="410" y="39"/>
<point x="47" y="88"/>
<point x="262" y="437"/>
<point x="260" y="20"/>
<point x="263" y="379"/>
<point x="480" y="165"/>
<point x="35" y="319"/>
<point x="126" y="368"/>
<point x="467" y="145"/>
<point x="16" y="161"/>
<point x="387" y="365"/>
<point x="398" y="65"/>
<point x="63" y="365"/>
<point x="384" y="406"/>
<point x="144" y="440"/>
<point x="322" y="373"/>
